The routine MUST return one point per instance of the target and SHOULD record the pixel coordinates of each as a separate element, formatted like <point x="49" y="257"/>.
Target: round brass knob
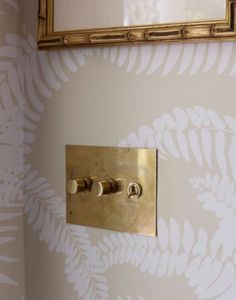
<point x="104" y="187"/>
<point x="75" y="186"/>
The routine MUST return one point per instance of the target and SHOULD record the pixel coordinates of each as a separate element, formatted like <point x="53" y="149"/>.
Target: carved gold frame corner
<point x="164" y="33"/>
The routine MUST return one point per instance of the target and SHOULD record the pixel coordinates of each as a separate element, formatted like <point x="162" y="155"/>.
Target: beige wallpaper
<point x="177" y="98"/>
<point x="12" y="277"/>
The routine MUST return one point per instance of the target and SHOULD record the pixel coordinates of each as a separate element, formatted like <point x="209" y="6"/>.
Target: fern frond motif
<point x="12" y="150"/>
<point x="29" y="75"/>
<point x="22" y="87"/>
<point x="43" y="72"/>
<point x="164" y="59"/>
<point x="181" y="59"/>
<point x="191" y="134"/>
<point x="218" y="195"/>
<point x="175" y="253"/>
<point x="46" y="213"/>
<point x="12" y="3"/>
<point x="196" y="133"/>
<point x="8" y="235"/>
<point x="11" y="167"/>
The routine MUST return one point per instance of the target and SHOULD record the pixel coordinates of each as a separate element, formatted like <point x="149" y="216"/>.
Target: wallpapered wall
<point x="177" y="98"/>
<point x="11" y="154"/>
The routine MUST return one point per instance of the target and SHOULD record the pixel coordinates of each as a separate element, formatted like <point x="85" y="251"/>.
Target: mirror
<point x="111" y="22"/>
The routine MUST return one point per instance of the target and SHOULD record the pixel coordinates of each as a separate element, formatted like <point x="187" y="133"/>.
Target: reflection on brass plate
<point x="112" y="188"/>
<point x="119" y="22"/>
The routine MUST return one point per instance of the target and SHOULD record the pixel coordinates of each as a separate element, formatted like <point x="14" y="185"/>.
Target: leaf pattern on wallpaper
<point x="178" y="59"/>
<point x="14" y="4"/>
<point x="31" y="76"/>
<point x="193" y="259"/>
<point x="12" y="150"/>
<point x="7" y="236"/>
<point x="177" y="252"/>
<point x="22" y="93"/>
<point x="194" y="134"/>
<point x="218" y="195"/>
<point x="45" y="73"/>
<point x="46" y="213"/>
<point x="198" y="133"/>
<point x="190" y="58"/>
<point x="27" y="78"/>
<point x="173" y="253"/>
<point x="11" y="167"/>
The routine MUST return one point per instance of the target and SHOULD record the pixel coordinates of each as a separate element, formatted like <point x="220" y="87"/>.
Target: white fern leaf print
<point x="8" y="236"/>
<point x="172" y="255"/>
<point x="29" y="77"/>
<point x="12" y="3"/>
<point x="11" y="155"/>
<point x="21" y="75"/>
<point x="22" y="83"/>
<point x="26" y="89"/>
<point x="11" y="167"/>
<point x="46" y="213"/>
<point x="218" y="195"/>
<point x="227" y="55"/>
<point x="178" y="59"/>
<point x="6" y="280"/>
<point x="177" y="252"/>
<point x="141" y="60"/>
<point x="200" y="52"/>
<point x="193" y="133"/>
<point x="212" y="54"/>
<point x="196" y="133"/>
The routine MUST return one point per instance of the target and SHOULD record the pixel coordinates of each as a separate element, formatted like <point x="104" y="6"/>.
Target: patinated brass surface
<point x="163" y="33"/>
<point x="110" y="202"/>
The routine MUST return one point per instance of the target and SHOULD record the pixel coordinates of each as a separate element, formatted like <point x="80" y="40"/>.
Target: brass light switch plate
<point x="112" y="188"/>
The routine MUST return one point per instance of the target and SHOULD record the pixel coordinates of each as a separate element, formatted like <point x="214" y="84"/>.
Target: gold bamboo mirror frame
<point x="119" y="22"/>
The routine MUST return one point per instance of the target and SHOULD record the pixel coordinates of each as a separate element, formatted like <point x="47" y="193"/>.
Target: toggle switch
<point x="134" y="190"/>
<point x="112" y="188"/>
